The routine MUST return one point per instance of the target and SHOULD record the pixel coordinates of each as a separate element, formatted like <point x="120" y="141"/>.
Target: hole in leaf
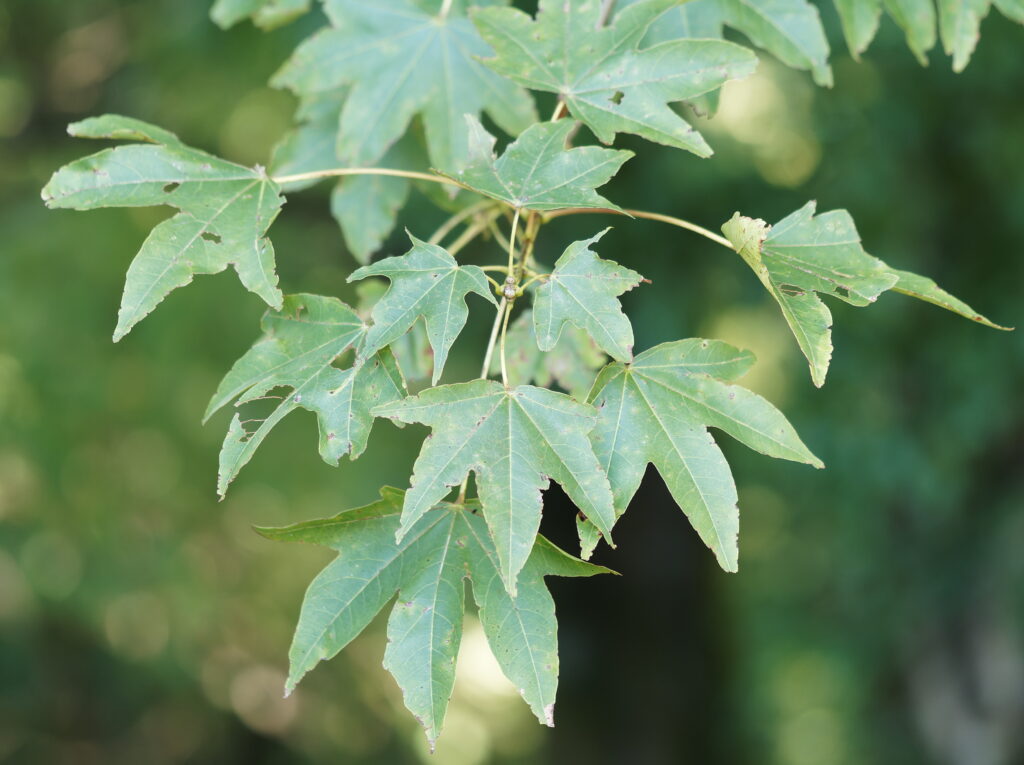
<point x="842" y="292"/>
<point x="616" y="97"/>
<point x="209" y="236"/>
<point x="791" y="290"/>
<point x="171" y="187"/>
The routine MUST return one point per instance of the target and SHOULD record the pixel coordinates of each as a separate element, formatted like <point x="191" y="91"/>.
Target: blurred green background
<point x="879" y="613"/>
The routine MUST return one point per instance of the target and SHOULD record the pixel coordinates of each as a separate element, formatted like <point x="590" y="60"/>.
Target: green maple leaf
<point x="400" y="58"/>
<point x="583" y="290"/>
<point x="426" y="283"/>
<point x="917" y="20"/>
<point x="599" y="73"/>
<point x="297" y="351"/>
<point x="412" y="350"/>
<point x="804" y="254"/>
<point x="536" y="172"/>
<point x="657" y="410"/>
<point x="225" y="211"/>
<point x="515" y="441"/>
<point x="266" y="14"/>
<point x="572" y="363"/>
<point x="427" y="569"/>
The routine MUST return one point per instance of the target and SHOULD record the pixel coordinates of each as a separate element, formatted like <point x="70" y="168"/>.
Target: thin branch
<point x="486" y="368"/>
<point x="512" y="244"/>
<point x="671" y="220"/>
<point x="504" y="330"/>
<point x="467" y="212"/>
<point x="471" y="233"/>
<point x="340" y="171"/>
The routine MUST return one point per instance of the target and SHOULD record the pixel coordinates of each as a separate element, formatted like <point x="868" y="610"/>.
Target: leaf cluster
<point x="391" y="96"/>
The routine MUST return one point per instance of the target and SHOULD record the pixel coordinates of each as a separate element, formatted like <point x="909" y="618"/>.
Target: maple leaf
<point x="572" y="363"/>
<point x="411" y="350"/>
<point x="224" y="211"/>
<point x="426" y="283"/>
<point x="599" y="73"/>
<point x="536" y="172"/>
<point x="298" y="349"/>
<point x="657" y="410"/>
<point x="400" y="58"/>
<point x="515" y="441"/>
<point x="804" y="254"/>
<point x="427" y="569"/>
<point x="583" y="289"/>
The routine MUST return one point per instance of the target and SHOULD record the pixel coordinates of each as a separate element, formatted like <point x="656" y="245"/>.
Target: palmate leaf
<point x="297" y="351"/>
<point x="266" y="14"/>
<point x="365" y="206"/>
<point x="427" y="569"/>
<point x="536" y="172"/>
<point x="804" y="254"/>
<point x="515" y="441"/>
<point x="401" y="59"/>
<point x="657" y="410"/>
<point x="604" y="80"/>
<point x="412" y="350"/>
<point x="225" y="211"/>
<point x="426" y="283"/>
<point x="572" y="364"/>
<point x="860" y="20"/>
<point x="583" y="290"/>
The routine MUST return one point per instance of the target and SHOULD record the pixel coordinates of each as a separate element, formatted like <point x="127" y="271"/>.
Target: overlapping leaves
<point x="400" y="58"/>
<point x="300" y="344"/>
<point x="515" y="441"/>
<point x="599" y="73"/>
<point x="224" y="211"/>
<point x="426" y="283"/>
<point x="446" y="546"/>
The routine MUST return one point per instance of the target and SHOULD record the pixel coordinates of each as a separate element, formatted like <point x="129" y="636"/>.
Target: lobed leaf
<point x="515" y="441"/>
<point x="657" y="409"/>
<point x="300" y="344"/>
<point x="399" y="59"/>
<point x="427" y="568"/>
<point x="224" y="211"/>
<point x="536" y="171"/>
<point x="426" y="283"/>
<point x="583" y="290"/>
<point x="804" y="254"/>
<point x="600" y="74"/>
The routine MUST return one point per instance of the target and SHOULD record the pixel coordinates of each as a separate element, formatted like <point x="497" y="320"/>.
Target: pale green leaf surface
<point x="515" y="441"/>
<point x="917" y="20"/>
<point x="801" y="256"/>
<point x="224" y="211"/>
<point x="572" y="364"/>
<point x="401" y="59"/>
<point x="266" y="14"/>
<point x="1012" y="9"/>
<point x="536" y="172"/>
<point x="860" y="20"/>
<point x="925" y="289"/>
<point x="657" y="410"/>
<point x="412" y="350"/>
<point x="583" y="290"/>
<point x="426" y="283"/>
<point x="789" y="29"/>
<point x="427" y="569"/>
<point x="604" y="80"/>
<point x="959" y="27"/>
<point x="297" y="352"/>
